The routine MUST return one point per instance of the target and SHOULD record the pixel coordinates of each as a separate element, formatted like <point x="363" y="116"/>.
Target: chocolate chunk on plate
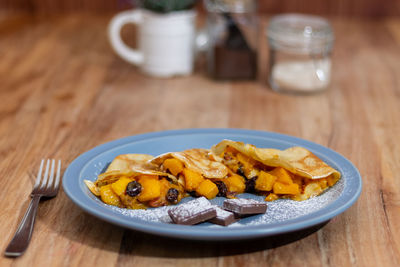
<point x="241" y="206"/>
<point x="193" y="212"/>
<point x="223" y="217"/>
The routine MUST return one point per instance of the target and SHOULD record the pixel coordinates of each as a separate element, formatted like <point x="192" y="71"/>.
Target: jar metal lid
<point x="300" y="33"/>
<point x="231" y="6"/>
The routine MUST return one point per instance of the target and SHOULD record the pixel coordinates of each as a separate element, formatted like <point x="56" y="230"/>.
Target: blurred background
<point x="359" y="8"/>
<point x="93" y="16"/>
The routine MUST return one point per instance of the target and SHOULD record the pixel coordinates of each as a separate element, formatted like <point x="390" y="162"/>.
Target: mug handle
<point x="114" y="33"/>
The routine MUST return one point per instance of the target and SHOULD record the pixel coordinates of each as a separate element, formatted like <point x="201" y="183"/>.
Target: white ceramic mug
<point x="166" y="41"/>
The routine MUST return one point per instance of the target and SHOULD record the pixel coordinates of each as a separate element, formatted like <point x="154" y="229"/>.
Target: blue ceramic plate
<point x="282" y="215"/>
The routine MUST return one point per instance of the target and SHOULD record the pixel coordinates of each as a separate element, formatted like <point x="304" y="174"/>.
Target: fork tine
<point x="38" y="177"/>
<point x="46" y="175"/>
<point x="50" y="183"/>
<point x="56" y="184"/>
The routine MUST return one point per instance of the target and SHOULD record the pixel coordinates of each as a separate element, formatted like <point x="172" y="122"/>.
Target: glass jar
<point x="300" y="53"/>
<point x="232" y="32"/>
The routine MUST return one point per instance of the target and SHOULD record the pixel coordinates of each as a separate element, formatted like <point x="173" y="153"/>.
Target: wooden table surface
<point x="64" y="91"/>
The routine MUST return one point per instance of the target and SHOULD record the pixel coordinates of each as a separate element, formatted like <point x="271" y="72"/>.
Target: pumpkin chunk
<point x="174" y="165"/>
<point x="207" y="189"/>
<point x="192" y="179"/>
<point x="282" y="175"/>
<point x="265" y="181"/>
<point x="108" y="196"/>
<point x="151" y="189"/>
<point x="235" y="184"/>
<point x="271" y="197"/>
<point x="281" y="188"/>
<point x="119" y="186"/>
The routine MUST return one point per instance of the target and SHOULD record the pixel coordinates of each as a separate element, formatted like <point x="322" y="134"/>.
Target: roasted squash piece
<point x="235" y="183"/>
<point x="119" y="186"/>
<point x="164" y="185"/>
<point x="207" y="189"/>
<point x="286" y="189"/>
<point x="151" y="189"/>
<point x="192" y="179"/>
<point x="108" y="196"/>
<point x="174" y="165"/>
<point x="265" y="181"/>
<point x="282" y="175"/>
<point x="271" y="197"/>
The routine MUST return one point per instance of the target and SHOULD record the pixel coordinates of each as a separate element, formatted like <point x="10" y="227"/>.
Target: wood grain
<point x="64" y="91"/>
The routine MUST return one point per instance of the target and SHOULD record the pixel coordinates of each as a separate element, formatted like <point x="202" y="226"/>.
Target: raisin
<point x="222" y="189"/>
<point x="192" y="193"/>
<point x="250" y="184"/>
<point x="240" y="171"/>
<point x="172" y="195"/>
<point x="133" y="189"/>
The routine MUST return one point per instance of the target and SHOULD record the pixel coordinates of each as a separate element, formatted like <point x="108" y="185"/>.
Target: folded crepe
<point x="229" y="168"/>
<point x="297" y="160"/>
<point x="294" y="172"/>
<point x="111" y="186"/>
<point x="196" y="159"/>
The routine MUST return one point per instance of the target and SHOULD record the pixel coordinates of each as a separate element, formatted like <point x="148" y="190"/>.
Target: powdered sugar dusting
<point x="166" y="219"/>
<point x="150" y="215"/>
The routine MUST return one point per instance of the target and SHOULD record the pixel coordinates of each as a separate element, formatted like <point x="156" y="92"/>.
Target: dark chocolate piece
<point x="193" y="212"/>
<point x="223" y="217"/>
<point x="243" y="206"/>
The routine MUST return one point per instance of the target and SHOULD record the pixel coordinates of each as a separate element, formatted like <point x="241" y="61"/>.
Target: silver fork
<point x="45" y="186"/>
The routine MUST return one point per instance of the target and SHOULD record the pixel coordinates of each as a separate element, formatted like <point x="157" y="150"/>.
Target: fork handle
<point x="23" y="235"/>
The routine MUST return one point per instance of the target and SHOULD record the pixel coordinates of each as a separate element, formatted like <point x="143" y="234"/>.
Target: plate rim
<point x="201" y="233"/>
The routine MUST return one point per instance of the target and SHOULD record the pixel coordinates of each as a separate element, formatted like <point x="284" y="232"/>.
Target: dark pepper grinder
<point x="232" y="31"/>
